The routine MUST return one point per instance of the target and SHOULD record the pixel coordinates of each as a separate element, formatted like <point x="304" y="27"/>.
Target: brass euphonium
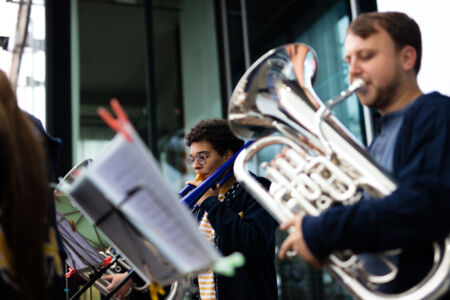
<point x="321" y="164"/>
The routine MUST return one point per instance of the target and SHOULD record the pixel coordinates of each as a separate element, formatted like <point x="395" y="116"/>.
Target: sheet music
<point x="146" y="221"/>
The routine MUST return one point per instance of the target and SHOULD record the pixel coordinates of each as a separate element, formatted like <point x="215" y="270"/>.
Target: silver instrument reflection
<point x="321" y="164"/>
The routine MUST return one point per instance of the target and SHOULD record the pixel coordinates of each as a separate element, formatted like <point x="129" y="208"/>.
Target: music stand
<point x="83" y="259"/>
<point x="77" y="220"/>
<point x="125" y="196"/>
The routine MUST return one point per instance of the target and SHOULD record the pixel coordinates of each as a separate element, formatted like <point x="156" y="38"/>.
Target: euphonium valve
<point x="321" y="164"/>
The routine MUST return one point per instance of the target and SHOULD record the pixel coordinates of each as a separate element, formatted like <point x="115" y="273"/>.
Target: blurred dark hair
<point x="217" y="132"/>
<point x="24" y="196"/>
<point x="403" y="30"/>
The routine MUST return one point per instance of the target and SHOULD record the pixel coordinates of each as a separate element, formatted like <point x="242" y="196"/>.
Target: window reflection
<point x="187" y="77"/>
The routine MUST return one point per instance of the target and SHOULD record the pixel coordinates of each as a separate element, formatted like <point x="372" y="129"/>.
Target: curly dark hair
<point x="217" y="132"/>
<point x="401" y="28"/>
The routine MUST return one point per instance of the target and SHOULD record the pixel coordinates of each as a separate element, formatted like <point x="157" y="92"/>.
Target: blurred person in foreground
<point x="31" y="266"/>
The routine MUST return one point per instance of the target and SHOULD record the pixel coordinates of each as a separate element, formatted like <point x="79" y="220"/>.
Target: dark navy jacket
<point x="252" y="235"/>
<point x="412" y="216"/>
<point x="53" y="150"/>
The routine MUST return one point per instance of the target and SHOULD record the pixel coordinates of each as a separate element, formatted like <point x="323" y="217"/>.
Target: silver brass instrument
<point x="321" y="164"/>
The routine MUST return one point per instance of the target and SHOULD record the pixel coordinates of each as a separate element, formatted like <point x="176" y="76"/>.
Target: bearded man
<point x="413" y="144"/>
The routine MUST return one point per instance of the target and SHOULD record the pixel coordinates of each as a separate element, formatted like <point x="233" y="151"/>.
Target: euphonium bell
<point x="321" y="164"/>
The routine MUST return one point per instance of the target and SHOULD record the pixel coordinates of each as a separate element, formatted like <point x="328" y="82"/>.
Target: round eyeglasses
<point x="200" y="157"/>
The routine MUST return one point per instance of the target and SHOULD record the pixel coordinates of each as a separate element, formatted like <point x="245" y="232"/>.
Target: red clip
<point x="70" y="273"/>
<point x="106" y="261"/>
<point x="116" y="124"/>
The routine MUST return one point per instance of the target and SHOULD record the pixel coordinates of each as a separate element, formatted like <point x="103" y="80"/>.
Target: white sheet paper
<point x="150" y="227"/>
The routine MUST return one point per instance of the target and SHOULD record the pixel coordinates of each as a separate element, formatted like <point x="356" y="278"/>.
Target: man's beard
<point x="386" y="96"/>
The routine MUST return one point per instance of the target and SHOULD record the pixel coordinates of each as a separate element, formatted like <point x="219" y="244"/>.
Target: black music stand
<point x="124" y="194"/>
<point x="82" y="258"/>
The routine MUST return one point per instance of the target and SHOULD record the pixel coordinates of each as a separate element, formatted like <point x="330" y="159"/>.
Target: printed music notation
<point x="125" y="195"/>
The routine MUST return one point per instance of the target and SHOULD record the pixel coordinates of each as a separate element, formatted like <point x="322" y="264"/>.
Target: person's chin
<point x="366" y="101"/>
<point x="366" y="98"/>
<point x="205" y="175"/>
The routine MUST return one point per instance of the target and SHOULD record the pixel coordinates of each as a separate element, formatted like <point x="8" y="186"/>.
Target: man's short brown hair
<point x="403" y="30"/>
<point x="217" y="132"/>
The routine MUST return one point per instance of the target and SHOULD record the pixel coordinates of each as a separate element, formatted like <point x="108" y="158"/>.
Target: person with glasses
<point x="200" y="158"/>
<point x="231" y="219"/>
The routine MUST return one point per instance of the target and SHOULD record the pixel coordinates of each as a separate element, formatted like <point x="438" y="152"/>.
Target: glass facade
<point x="254" y="28"/>
<point x="187" y="77"/>
<point x="173" y="63"/>
<point x="320" y="24"/>
<point x="111" y="64"/>
<point x="193" y="43"/>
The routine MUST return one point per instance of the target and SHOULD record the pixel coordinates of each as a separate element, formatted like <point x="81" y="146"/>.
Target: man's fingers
<point x="287" y="224"/>
<point x="108" y="277"/>
<point x="191" y="182"/>
<point x="285" y="247"/>
<point x="111" y="278"/>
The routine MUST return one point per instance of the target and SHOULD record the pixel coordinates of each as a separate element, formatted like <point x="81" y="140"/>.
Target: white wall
<point x="199" y="62"/>
<point x="433" y="19"/>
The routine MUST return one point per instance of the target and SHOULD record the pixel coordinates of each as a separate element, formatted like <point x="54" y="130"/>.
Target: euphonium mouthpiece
<point x="357" y="85"/>
<point x="199" y="177"/>
<point x="219" y="177"/>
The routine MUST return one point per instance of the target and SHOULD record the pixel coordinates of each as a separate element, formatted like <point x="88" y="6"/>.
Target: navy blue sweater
<point x="412" y="216"/>
<point x="252" y="235"/>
